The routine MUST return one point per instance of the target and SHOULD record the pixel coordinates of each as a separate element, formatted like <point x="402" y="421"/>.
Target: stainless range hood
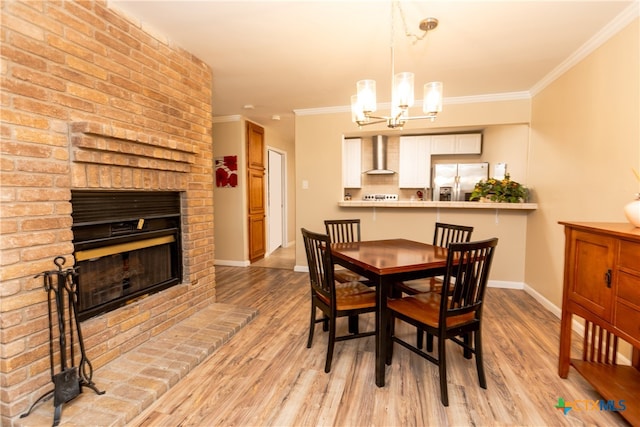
<point x="379" y="143"/>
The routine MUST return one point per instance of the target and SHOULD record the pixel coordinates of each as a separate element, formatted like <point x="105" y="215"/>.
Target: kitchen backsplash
<point x="389" y="184"/>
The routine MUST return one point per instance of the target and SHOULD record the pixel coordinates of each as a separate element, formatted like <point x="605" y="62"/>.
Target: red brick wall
<point x="92" y="100"/>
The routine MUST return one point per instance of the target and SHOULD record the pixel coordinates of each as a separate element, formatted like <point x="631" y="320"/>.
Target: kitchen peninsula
<point x="388" y="183"/>
<point x="432" y="204"/>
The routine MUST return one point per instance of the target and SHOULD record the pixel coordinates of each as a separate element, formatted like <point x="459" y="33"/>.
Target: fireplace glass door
<point x="127" y="246"/>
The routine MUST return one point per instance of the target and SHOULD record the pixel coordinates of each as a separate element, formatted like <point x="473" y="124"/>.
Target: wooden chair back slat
<point x="343" y="230"/>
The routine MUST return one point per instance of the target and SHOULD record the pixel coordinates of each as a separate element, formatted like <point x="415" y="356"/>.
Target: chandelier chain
<point x="407" y="33"/>
<point x="363" y="103"/>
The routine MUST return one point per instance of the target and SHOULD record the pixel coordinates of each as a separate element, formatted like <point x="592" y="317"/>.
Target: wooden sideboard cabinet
<point x="602" y="286"/>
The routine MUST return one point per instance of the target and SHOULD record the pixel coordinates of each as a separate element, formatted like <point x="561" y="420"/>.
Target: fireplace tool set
<point x="70" y="378"/>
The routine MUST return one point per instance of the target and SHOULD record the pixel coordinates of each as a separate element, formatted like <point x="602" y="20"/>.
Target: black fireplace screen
<point x="127" y="245"/>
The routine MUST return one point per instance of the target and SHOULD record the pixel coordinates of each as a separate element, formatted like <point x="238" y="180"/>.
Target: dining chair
<point x="344" y="231"/>
<point x="454" y="313"/>
<point x="334" y="299"/>
<point x="443" y="235"/>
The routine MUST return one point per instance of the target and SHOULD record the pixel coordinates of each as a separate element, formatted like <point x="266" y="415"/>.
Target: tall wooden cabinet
<point x="256" y="192"/>
<point x="602" y="286"/>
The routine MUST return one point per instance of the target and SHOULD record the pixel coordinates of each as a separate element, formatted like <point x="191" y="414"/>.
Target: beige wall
<point x="577" y="159"/>
<point x="585" y="140"/>
<point x="231" y="234"/>
<point x="230" y="209"/>
<point x="506" y="139"/>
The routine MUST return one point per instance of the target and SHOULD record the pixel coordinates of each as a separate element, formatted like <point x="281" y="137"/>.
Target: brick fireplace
<point x="93" y="101"/>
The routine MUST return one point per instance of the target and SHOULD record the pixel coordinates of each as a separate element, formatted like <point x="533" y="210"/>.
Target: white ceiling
<point x="281" y="56"/>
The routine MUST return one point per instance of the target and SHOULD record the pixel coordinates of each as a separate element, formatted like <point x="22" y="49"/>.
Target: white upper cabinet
<point x="415" y="161"/>
<point x="443" y="144"/>
<point x="463" y="143"/>
<point x="352" y="163"/>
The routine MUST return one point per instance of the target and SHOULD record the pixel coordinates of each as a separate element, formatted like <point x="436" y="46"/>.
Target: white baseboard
<point x="545" y="302"/>
<point x="505" y="285"/>
<point x="301" y="268"/>
<point x="231" y="263"/>
<point x="576" y="325"/>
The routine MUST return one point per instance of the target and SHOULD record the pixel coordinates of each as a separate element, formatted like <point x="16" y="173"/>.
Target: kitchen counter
<point x="441" y="205"/>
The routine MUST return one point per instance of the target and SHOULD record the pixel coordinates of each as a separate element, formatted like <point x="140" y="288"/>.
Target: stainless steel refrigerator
<point x="455" y="181"/>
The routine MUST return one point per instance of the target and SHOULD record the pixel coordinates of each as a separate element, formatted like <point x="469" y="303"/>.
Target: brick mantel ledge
<point x="99" y="143"/>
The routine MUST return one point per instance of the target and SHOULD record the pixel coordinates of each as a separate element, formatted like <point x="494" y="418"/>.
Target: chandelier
<point x="363" y="104"/>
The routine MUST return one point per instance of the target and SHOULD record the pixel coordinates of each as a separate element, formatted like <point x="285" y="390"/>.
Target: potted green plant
<point x="499" y="190"/>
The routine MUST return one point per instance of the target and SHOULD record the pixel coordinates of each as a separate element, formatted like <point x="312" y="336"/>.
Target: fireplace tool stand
<point x="70" y="379"/>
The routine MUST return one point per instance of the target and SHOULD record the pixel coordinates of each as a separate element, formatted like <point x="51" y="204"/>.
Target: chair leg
<point x="353" y="324"/>
<point x="442" y="365"/>
<point x="325" y="323"/>
<point x="312" y="325"/>
<point x="479" y="360"/>
<point x="331" y="344"/>
<point x="467" y="340"/>
<point x="430" y="342"/>
<point x="420" y="338"/>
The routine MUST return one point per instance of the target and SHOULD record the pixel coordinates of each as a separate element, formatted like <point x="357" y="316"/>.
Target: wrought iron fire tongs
<point x="85" y="366"/>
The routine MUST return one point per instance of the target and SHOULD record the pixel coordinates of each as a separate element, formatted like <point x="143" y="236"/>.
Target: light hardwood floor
<point x="265" y="375"/>
<point x="280" y="258"/>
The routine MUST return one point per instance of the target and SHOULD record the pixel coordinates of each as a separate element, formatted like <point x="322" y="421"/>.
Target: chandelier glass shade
<point x="364" y="103"/>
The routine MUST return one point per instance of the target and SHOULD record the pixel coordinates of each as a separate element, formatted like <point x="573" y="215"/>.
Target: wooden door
<point x="256" y="188"/>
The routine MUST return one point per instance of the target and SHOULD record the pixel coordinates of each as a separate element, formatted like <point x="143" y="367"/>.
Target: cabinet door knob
<point x="607" y="278"/>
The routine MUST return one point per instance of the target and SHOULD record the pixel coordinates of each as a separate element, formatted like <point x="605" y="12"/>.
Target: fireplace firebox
<point x="126" y="246"/>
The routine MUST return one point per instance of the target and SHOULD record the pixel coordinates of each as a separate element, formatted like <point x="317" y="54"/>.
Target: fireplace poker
<point x="85" y="367"/>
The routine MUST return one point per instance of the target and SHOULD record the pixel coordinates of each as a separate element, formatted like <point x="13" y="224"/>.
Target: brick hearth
<point x="135" y="380"/>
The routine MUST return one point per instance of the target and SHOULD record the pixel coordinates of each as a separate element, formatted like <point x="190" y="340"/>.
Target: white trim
<point x="544" y="302"/>
<point x="504" y="284"/>
<point x="615" y="26"/>
<point x="611" y="29"/>
<point x="223" y="119"/>
<point x="577" y="326"/>
<point x="230" y="263"/>
<point x="492" y="97"/>
<point x="322" y="110"/>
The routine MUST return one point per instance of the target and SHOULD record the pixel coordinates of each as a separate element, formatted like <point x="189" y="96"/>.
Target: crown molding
<point x="322" y="110"/>
<point x="224" y="119"/>
<point x="619" y="22"/>
<point x="493" y="97"/>
<point x="615" y="26"/>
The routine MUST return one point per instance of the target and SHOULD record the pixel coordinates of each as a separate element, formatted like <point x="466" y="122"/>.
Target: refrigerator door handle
<point x="456" y="188"/>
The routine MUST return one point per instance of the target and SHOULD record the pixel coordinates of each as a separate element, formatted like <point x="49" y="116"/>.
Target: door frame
<point x="283" y="180"/>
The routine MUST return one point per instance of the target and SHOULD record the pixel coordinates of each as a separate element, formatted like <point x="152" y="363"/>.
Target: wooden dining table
<point x="385" y="262"/>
